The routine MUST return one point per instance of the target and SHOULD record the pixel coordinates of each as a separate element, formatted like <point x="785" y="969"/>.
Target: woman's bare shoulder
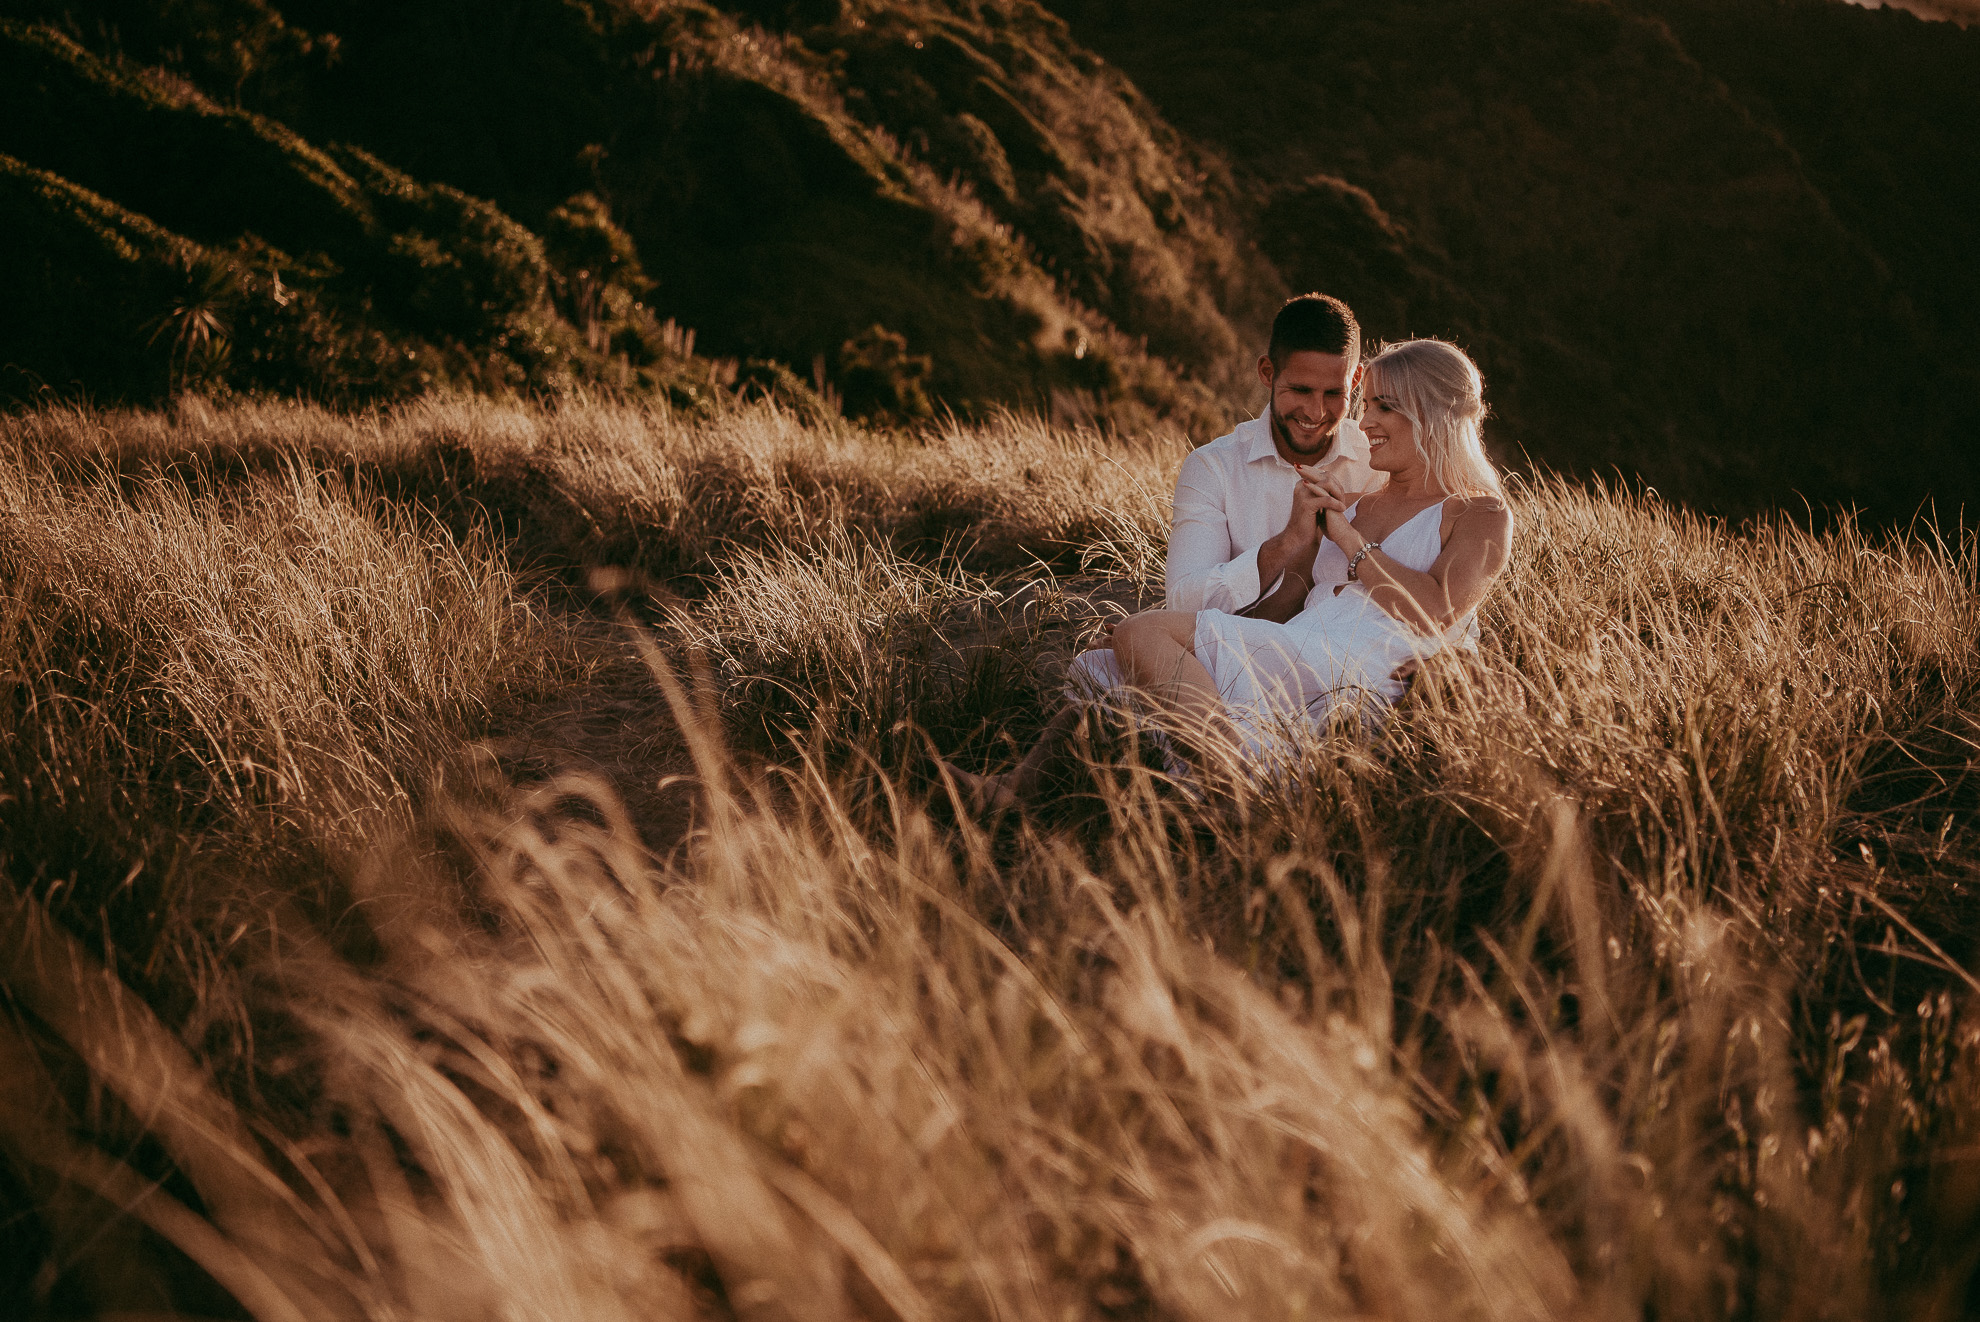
<point x="1487" y="508"/>
<point x="1486" y="511"/>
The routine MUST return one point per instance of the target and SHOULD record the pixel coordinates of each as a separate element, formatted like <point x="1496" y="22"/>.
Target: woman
<point x="1395" y="575"/>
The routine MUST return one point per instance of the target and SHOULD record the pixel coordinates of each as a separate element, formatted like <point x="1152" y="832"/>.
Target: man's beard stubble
<point x="1284" y="435"/>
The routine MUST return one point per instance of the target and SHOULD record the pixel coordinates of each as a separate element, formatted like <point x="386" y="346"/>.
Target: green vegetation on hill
<point x="962" y="175"/>
<point x="174" y="243"/>
<point x="1726" y="249"/>
<point x="918" y="205"/>
<point x="382" y="935"/>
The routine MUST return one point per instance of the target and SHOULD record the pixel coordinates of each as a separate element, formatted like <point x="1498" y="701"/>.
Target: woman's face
<point x="1391" y="436"/>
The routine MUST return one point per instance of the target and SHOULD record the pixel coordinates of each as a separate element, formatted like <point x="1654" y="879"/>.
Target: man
<point x="1231" y="536"/>
<point x="1232" y="532"/>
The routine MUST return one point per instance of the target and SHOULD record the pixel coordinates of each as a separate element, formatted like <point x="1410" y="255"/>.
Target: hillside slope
<point x="945" y="201"/>
<point x="961" y="173"/>
<point x="177" y="242"/>
<point x="1725" y="249"/>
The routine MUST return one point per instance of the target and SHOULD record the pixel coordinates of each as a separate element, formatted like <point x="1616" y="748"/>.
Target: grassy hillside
<point x="476" y="859"/>
<point x="1726" y="249"/>
<point x="916" y="204"/>
<point x="964" y="174"/>
<point x="173" y="242"/>
<point x="1727" y="246"/>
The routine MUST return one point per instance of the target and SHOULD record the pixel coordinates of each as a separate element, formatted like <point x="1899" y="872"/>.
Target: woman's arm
<point x="1430" y="602"/>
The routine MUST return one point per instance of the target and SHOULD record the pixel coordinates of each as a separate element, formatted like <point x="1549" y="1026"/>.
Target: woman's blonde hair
<point x="1442" y="393"/>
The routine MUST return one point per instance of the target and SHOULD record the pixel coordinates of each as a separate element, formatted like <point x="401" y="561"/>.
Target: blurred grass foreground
<point x="473" y="861"/>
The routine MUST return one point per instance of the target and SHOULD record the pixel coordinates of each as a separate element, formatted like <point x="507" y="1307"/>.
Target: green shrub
<point x="879" y="378"/>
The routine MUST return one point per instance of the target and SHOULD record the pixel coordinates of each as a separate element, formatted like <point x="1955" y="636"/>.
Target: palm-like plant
<point x="198" y="324"/>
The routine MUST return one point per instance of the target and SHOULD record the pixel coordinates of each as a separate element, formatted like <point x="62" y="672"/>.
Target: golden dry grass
<point x="1622" y="973"/>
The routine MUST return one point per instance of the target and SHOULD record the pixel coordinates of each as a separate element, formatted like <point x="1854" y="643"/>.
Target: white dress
<point x="1340" y="647"/>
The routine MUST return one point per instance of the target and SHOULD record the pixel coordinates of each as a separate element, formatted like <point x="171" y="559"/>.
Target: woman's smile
<point x="1382" y="422"/>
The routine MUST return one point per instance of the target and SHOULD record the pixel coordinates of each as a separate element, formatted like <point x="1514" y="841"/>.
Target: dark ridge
<point x="1727" y="247"/>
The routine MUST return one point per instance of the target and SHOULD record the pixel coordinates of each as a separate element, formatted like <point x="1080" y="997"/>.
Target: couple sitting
<point x="1313" y="559"/>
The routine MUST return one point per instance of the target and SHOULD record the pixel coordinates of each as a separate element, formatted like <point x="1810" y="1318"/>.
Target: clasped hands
<point x="1321" y="502"/>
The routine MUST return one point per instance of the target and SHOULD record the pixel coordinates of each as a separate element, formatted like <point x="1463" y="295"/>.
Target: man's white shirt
<point x="1231" y="496"/>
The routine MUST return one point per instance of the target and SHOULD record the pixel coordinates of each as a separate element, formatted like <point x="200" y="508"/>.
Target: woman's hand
<point x="1333" y="507"/>
<point x="1312" y="501"/>
<point x="1342" y="533"/>
<point x="1320" y="496"/>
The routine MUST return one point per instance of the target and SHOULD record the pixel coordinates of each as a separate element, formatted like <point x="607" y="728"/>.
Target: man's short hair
<point x="1320" y="323"/>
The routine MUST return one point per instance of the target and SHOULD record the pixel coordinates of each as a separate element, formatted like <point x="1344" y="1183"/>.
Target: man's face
<point x="1309" y="399"/>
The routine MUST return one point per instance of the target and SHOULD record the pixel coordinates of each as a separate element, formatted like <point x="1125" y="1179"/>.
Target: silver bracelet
<point x="1354" y="564"/>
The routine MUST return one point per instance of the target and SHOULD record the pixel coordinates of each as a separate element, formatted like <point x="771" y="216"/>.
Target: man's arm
<point x="1299" y="543"/>
<point x="1199" y="576"/>
<point x="1286" y="558"/>
<point x="1202" y="575"/>
<point x="1286" y="599"/>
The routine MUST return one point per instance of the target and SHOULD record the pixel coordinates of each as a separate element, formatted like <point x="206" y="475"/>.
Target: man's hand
<point x="1318" y="494"/>
<point x="1311" y="501"/>
<point x="1328" y="478"/>
<point x="1332" y="503"/>
<point x="1293" y="548"/>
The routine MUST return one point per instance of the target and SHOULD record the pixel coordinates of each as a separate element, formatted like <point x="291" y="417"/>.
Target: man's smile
<point x="1306" y="431"/>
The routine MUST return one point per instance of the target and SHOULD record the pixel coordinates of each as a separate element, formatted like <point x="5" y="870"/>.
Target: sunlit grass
<point x="1616" y="974"/>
